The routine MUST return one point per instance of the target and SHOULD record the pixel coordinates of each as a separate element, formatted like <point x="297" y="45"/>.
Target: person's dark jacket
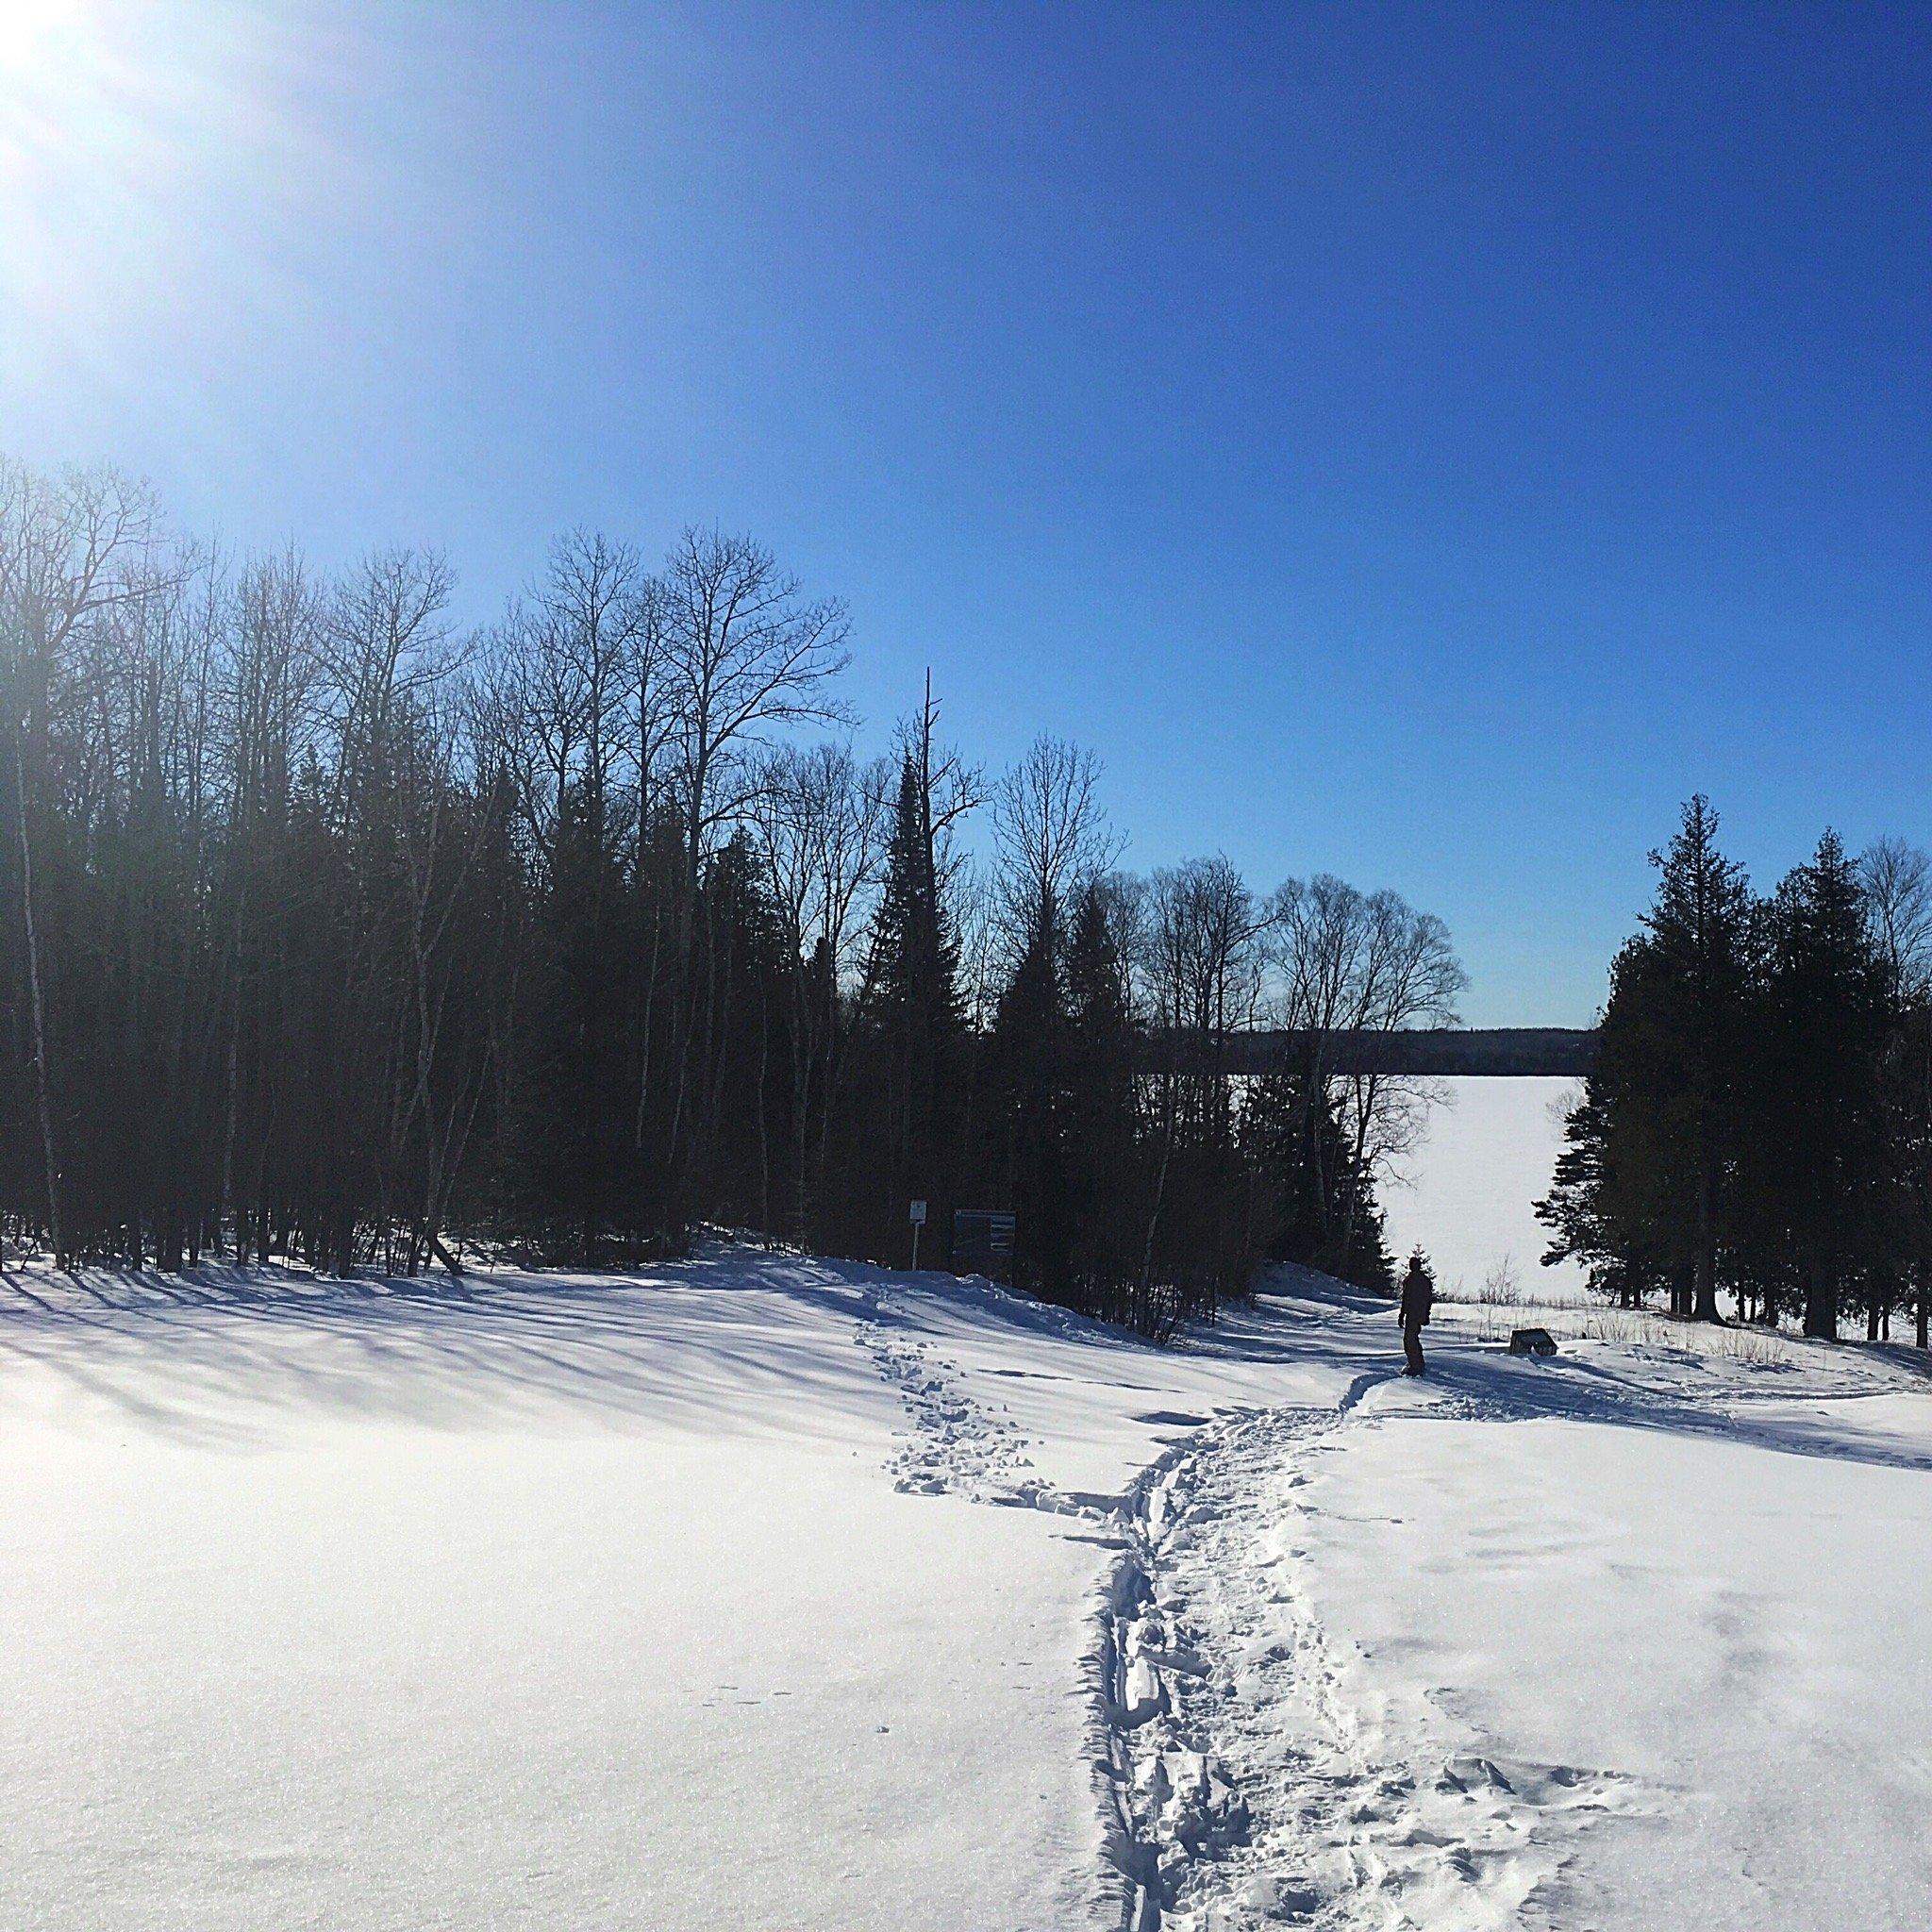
<point x="1418" y="1299"/>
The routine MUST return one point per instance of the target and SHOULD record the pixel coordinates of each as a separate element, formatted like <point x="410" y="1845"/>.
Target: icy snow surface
<point x="762" y="1592"/>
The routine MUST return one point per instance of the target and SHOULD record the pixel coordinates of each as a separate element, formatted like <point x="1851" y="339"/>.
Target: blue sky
<point x="1422" y="444"/>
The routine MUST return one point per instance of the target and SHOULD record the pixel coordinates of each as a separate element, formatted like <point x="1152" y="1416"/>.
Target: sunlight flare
<point x="34" y="31"/>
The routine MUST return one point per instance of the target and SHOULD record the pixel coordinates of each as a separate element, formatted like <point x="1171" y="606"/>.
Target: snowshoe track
<point x="957" y="1446"/>
<point x="1240" y="1788"/>
<point x="1253" y="1795"/>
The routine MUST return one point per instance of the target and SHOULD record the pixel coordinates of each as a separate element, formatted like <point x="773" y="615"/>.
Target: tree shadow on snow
<point x="738" y="1341"/>
<point x="1679" y="1393"/>
<point x="227" y="1356"/>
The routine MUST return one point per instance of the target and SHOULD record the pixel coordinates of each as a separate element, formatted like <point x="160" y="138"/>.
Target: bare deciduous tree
<point x="1897" y="878"/>
<point x="1050" y="837"/>
<point x="746" y="653"/>
<point x="71" y="548"/>
<point x="820" y="822"/>
<point x="1409" y="978"/>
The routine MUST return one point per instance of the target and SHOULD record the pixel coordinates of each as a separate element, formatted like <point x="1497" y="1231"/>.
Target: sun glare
<point x="102" y="123"/>
<point x="162" y="162"/>
<point x="31" y="30"/>
<point x="49" y="57"/>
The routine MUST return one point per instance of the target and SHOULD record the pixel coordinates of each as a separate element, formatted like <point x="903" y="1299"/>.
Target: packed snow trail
<point x="1256" y="1794"/>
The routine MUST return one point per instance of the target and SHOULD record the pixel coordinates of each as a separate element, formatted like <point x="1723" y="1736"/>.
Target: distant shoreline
<point x="1525" y="1052"/>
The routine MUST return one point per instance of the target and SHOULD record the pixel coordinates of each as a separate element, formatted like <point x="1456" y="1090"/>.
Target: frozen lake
<point x="1471" y="1202"/>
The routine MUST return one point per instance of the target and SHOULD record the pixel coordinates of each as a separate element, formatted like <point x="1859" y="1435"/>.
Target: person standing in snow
<point x="1418" y="1299"/>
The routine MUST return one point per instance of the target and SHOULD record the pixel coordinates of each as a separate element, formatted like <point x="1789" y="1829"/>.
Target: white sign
<point x="919" y="1214"/>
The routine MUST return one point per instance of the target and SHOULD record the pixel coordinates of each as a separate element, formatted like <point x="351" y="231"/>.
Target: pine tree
<point x="1322" y="1209"/>
<point x="1700" y="933"/>
<point x="1594" y="1214"/>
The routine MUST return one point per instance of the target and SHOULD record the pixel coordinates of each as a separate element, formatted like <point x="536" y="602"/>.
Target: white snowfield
<point x="767" y="1594"/>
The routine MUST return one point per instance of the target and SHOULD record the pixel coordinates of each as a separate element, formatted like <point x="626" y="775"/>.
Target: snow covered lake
<point x="1468" y="1193"/>
<point x="770" y="1594"/>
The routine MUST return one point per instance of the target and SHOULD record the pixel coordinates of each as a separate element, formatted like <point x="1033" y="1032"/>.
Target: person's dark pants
<point x="1412" y="1347"/>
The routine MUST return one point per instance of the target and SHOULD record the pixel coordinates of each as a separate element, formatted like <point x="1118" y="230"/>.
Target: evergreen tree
<point x="1908" y="1094"/>
<point x="1322" y="1209"/>
<point x="579" y="1137"/>
<point x="1029" y="1049"/>
<point x="1578" y="1209"/>
<point x="1701" y="933"/>
<point x="1105" y="1177"/>
<point x="1822" y="1170"/>
<point x="1644" y="1192"/>
<point x="913" y="1009"/>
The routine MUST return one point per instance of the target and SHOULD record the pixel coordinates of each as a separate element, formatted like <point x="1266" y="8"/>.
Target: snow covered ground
<point x="772" y="1593"/>
<point x="1469" y="1192"/>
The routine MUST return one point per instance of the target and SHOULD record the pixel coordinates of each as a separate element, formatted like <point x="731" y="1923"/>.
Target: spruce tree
<point x="912" y="1004"/>
<point x="1700" y="933"/>
<point x="1578" y="1212"/>
<point x="1822" y="1156"/>
<point x="1321" y="1210"/>
<point x="1030" y="1049"/>
<point x="1644" y="1189"/>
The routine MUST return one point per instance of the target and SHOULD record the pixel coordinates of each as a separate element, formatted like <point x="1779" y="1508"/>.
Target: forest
<point x="338" y="932"/>
<point x="1759" y="1121"/>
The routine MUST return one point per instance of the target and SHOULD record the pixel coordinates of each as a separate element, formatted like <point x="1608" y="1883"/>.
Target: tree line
<point x="1759" y="1121"/>
<point x="337" y="933"/>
